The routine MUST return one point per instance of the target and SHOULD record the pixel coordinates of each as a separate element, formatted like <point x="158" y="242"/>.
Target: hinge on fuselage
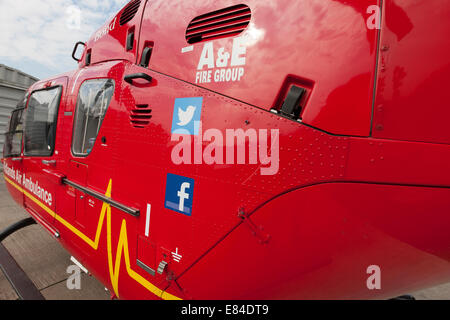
<point x="257" y="231"/>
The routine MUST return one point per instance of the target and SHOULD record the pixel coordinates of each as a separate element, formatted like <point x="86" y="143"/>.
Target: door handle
<point x="49" y="162"/>
<point x="146" y="55"/>
<point x="129" y="78"/>
<point x="17" y="159"/>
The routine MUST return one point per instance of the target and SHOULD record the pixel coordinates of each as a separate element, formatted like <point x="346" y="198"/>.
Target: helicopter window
<point x="93" y="102"/>
<point x="40" y="122"/>
<point x="13" y="137"/>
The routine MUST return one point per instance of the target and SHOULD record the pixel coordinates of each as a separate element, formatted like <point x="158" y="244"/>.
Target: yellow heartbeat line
<point x="122" y="246"/>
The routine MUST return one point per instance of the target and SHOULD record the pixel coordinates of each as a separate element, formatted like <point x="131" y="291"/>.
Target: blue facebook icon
<point x="186" y="116"/>
<point x="179" y="194"/>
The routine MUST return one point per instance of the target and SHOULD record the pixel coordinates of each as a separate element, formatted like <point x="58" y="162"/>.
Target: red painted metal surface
<point x="331" y="234"/>
<point x="326" y="43"/>
<point x="413" y="68"/>
<point x="109" y="42"/>
<point x="343" y="199"/>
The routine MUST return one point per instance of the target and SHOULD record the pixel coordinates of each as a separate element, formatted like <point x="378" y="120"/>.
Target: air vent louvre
<point x="228" y="22"/>
<point x="129" y="12"/>
<point x="140" y="116"/>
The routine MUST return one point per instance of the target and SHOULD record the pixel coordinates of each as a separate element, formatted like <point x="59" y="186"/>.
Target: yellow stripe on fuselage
<point x="114" y="270"/>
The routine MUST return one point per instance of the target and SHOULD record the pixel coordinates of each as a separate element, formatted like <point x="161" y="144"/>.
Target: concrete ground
<point x="45" y="261"/>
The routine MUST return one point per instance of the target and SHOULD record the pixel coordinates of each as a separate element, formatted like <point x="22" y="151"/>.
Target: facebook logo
<point x="179" y="194"/>
<point x="187" y="115"/>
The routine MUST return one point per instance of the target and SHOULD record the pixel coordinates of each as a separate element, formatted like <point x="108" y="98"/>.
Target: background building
<point x="13" y="85"/>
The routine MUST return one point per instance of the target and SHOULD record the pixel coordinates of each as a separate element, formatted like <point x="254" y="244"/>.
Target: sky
<point x="38" y="36"/>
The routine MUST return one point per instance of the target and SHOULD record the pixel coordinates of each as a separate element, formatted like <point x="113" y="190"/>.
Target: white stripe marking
<point x="79" y="74"/>
<point x="147" y="222"/>
<point x="187" y="49"/>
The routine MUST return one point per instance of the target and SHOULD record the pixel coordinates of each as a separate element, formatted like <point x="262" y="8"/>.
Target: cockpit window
<point x="40" y="122"/>
<point x="13" y="137"/>
<point x="93" y="102"/>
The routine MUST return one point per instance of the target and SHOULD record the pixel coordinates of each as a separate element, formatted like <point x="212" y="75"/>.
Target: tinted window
<point x="40" y="123"/>
<point x="93" y="101"/>
<point x="13" y="136"/>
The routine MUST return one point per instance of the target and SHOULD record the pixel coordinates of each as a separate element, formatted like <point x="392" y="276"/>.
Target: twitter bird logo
<point x="187" y="116"/>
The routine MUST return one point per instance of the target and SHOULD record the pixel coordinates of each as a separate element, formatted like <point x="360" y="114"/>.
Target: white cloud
<point x="41" y="31"/>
